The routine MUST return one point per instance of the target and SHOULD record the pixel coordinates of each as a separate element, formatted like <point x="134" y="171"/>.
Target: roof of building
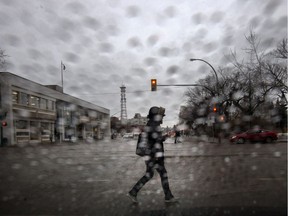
<point x="21" y="82"/>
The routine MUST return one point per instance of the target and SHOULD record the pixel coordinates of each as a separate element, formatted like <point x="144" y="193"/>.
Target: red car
<point x="255" y="136"/>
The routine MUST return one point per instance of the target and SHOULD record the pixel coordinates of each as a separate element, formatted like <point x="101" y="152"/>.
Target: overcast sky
<point x="107" y="43"/>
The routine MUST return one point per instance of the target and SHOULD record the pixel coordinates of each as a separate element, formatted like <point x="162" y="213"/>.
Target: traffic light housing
<point x="153" y="84"/>
<point x="215" y="109"/>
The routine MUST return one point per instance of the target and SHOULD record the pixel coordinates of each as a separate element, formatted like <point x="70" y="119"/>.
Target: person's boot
<point x="171" y="200"/>
<point x="133" y="197"/>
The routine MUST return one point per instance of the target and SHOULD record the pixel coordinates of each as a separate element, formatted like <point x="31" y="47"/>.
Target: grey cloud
<point x="202" y="69"/>
<point x="6" y="19"/>
<point x="115" y="78"/>
<point x="34" y="54"/>
<point x="105" y="67"/>
<point x="172" y="70"/>
<point x="113" y="30"/>
<point x="217" y="17"/>
<point x="150" y="61"/>
<point x="132" y="11"/>
<point x="140" y="72"/>
<point x="170" y="11"/>
<point x="65" y="29"/>
<point x="271" y="7"/>
<point x="12" y="40"/>
<point x="113" y="3"/>
<point x="74" y="88"/>
<point x="9" y="65"/>
<point x="227" y="40"/>
<point x="167" y="92"/>
<point x="128" y="79"/>
<point x="106" y="47"/>
<point x="63" y="35"/>
<point x="198" y="18"/>
<point x="268" y="25"/>
<point x="269" y="42"/>
<point x="67" y="24"/>
<point x="9" y="2"/>
<point x="282" y="22"/>
<point x="82" y="86"/>
<point x="134" y="42"/>
<point x="210" y="47"/>
<point x="224" y="60"/>
<point x="52" y="69"/>
<point x="138" y="94"/>
<point x="170" y="80"/>
<point x="72" y="57"/>
<point x="85" y="41"/>
<point x="30" y="70"/>
<point x="26" y="17"/>
<point x="187" y="47"/>
<point x="167" y="52"/>
<point x="255" y="21"/>
<point x="76" y="8"/>
<point x="152" y="40"/>
<point x="91" y="23"/>
<point x="201" y="33"/>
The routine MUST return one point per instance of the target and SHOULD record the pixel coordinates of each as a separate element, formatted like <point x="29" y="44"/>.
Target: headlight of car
<point x="233" y="137"/>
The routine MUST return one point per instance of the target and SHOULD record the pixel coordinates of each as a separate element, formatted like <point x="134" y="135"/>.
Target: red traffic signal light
<point x="214" y="109"/>
<point x="4" y="124"/>
<point x="153" y="84"/>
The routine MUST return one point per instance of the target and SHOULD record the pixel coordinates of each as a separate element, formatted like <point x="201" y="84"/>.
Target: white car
<point x="128" y="135"/>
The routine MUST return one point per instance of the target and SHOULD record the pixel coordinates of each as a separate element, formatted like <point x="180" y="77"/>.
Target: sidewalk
<point x="282" y="137"/>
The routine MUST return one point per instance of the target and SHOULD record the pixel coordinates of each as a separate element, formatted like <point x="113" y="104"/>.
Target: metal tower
<point x="123" y="103"/>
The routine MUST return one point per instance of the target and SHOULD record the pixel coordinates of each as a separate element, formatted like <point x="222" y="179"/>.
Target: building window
<point x="34" y="130"/>
<point x="24" y="99"/>
<point x="21" y="124"/>
<point x="43" y="103"/>
<point x="45" y="128"/>
<point x="15" y="96"/>
<point x="50" y="105"/>
<point x="45" y="125"/>
<point x="35" y="101"/>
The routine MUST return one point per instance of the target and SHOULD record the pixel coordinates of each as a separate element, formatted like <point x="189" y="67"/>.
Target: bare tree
<point x="281" y="50"/>
<point x="277" y="71"/>
<point x="252" y="84"/>
<point x="246" y="85"/>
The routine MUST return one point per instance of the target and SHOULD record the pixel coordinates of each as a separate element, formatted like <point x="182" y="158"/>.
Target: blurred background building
<point x="34" y="113"/>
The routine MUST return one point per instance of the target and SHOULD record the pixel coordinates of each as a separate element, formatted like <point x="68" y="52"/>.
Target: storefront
<point x="36" y="114"/>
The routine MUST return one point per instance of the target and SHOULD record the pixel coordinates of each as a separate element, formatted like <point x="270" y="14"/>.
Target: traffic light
<point x="4" y="123"/>
<point x="153" y="84"/>
<point x="215" y="108"/>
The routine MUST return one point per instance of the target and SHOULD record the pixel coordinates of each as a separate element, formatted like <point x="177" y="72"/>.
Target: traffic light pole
<point x="1" y="136"/>
<point x="213" y="126"/>
<point x="188" y="85"/>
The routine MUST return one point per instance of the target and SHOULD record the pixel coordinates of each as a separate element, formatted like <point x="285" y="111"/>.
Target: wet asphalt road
<point x="93" y="179"/>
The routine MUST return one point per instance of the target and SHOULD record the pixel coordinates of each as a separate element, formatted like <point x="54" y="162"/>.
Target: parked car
<point x="254" y="136"/>
<point x="128" y="135"/>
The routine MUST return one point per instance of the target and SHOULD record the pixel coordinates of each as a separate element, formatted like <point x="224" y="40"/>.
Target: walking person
<point x="177" y="134"/>
<point x="155" y="158"/>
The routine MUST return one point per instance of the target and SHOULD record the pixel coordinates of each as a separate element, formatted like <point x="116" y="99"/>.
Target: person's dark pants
<point x="160" y="167"/>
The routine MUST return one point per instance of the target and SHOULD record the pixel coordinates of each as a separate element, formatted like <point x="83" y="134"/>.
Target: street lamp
<point x="217" y="87"/>
<point x="217" y="80"/>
